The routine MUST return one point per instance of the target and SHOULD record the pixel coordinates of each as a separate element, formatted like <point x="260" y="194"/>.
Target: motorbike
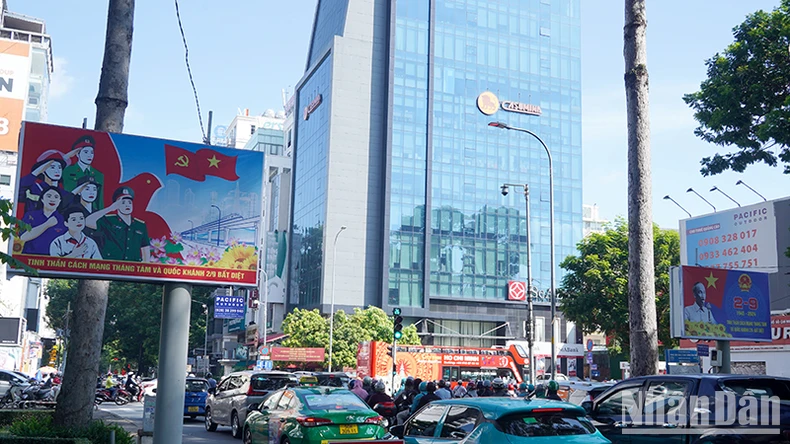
<point x="13" y="397"/>
<point x="388" y="411"/>
<point x="35" y="395"/>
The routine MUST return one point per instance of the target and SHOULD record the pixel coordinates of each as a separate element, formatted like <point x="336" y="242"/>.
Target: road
<point x="194" y="431"/>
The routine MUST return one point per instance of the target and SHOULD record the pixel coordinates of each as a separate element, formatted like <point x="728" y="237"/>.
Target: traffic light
<point x="398" y="324"/>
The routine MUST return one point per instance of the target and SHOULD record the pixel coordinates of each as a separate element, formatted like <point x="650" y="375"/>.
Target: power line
<point x="189" y="71"/>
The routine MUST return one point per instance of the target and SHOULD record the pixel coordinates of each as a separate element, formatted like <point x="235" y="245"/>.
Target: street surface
<point x="194" y="431"/>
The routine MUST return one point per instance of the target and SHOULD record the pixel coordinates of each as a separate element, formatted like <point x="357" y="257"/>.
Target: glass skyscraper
<point x="391" y="144"/>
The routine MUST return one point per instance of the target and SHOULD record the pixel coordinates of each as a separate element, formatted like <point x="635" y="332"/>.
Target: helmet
<point x="208" y="375"/>
<point x="530" y="388"/>
<point x="498" y="384"/>
<point x="423" y="386"/>
<point x="380" y="387"/>
<point x="442" y="383"/>
<point x="553" y="386"/>
<point x="486" y="383"/>
<point x="367" y="381"/>
<point x="522" y="386"/>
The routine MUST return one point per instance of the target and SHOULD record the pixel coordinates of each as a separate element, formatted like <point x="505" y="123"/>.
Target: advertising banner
<point x="115" y="206"/>
<point x="229" y="307"/>
<point x="14" y="74"/>
<point x="744" y="237"/>
<point x="721" y="305"/>
<point x="298" y="354"/>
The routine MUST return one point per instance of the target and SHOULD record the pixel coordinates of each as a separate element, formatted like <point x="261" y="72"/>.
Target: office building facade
<point x="393" y="143"/>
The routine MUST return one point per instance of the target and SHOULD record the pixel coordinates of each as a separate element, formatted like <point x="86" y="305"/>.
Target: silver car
<point x="5" y="380"/>
<point x="227" y="404"/>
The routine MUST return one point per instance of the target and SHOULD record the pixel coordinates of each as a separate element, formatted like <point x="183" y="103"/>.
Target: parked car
<point x="547" y="377"/>
<point x="683" y="409"/>
<point x="333" y="379"/>
<point x="228" y="403"/>
<point x="195" y="397"/>
<point x="312" y="415"/>
<point x="576" y="392"/>
<point x="5" y="380"/>
<point x="499" y="420"/>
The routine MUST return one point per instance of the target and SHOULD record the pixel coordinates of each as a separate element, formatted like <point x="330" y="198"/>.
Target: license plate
<point x="349" y="429"/>
<point x="193" y="409"/>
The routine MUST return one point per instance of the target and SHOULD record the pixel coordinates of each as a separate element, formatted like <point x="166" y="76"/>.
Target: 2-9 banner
<point x="100" y="205"/>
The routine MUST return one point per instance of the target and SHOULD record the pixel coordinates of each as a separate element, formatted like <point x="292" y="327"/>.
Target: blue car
<point x="499" y="421"/>
<point x="195" y="398"/>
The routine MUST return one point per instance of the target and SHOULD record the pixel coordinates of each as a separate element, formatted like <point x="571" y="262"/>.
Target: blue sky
<point x="243" y="53"/>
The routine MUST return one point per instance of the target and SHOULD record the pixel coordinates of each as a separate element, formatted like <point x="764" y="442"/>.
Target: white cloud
<point x="62" y="82"/>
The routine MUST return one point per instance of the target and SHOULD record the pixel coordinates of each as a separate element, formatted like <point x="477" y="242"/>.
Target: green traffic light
<point x="396" y="311"/>
<point x="398" y="334"/>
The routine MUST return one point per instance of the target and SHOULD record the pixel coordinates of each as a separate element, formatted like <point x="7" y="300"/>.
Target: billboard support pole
<point x="724" y="348"/>
<point x="173" y="342"/>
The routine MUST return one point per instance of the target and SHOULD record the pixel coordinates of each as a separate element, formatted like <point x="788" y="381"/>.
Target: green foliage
<point x="131" y="326"/>
<point x="595" y="290"/>
<point x="11" y="226"/>
<point x="40" y="426"/>
<point x="9" y="416"/>
<point x="307" y="328"/>
<point x="745" y="101"/>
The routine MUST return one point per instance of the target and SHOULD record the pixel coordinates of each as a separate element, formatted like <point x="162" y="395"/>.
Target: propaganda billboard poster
<point x="722" y="305"/>
<point x="116" y="206"/>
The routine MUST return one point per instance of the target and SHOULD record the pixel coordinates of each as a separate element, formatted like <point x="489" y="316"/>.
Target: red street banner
<point x="114" y="206"/>
<point x="297" y="354"/>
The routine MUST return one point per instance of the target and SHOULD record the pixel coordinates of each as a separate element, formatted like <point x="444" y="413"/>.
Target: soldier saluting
<point x="84" y="149"/>
<point x="125" y="237"/>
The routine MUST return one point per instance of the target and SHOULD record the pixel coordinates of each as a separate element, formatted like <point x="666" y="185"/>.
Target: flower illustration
<point x="176" y="237"/>
<point x="240" y="257"/>
<point x="158" y="244"/>
<point x="233" y="242"/>
<point x="173" y="261"/>
<point x="212" y="255"/>
<point x="193" y="252"/>
<point x="192" y="261"/>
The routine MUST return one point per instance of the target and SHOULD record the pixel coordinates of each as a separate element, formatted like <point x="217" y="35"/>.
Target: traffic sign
<point x="263" y="350"/>
<point x="589" y="358"/>
<point x="268" y="365"/>
<point x="703" y="349"/>
<point x="682" y="356"/>
<point x="590" y="345"/>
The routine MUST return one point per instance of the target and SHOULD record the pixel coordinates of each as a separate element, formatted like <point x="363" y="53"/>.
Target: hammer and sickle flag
<point x="198" y="165"/>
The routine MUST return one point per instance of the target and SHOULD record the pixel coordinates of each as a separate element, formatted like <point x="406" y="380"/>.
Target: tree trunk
<point x="75" y="402"/>
<point x="641" y="273"/>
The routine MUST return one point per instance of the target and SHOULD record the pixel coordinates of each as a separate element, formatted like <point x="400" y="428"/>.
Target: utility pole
<point x="641" y="272"/>
<point x="75" y="402"/>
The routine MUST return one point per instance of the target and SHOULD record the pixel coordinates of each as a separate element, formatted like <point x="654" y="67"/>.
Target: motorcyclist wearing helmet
<point x="423" y="392"/>
<point x="487" y="390"/>
<point x="379" y="395"/>
<point x="212" y="383"/>
<point x="523" y="391"/>
<point x="405" y="393"/>
<point x="551" y="391"/>
<point x="442" y="391"/>
<point x="499" y="388"/>
<point x="367" y="384"/>
<point x="540" y="391"/>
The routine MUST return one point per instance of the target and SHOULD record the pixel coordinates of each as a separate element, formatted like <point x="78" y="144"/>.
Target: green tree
<point x="307" y="328"/>
<point x="595" y="290"/>
<point x="132" y="322"/>
<point x="745" y="102"/>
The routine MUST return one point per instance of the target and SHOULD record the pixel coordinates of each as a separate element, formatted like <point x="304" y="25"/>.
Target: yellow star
<point x="213" y="162"/>
<point x="711" y="280"/>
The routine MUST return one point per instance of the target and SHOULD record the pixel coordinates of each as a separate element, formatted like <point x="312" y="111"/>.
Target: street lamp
<point x="205" y="338"/>
<point x="503" y="125"/>
<point x="332" y="303"/>
<point x="219" y="219"/>
<point x="715" y="188"/>
<point x="691" y="190"/>
<point x="673" y="201"/>
<point x="740" y="182"/>
<point x="530" y="332"/>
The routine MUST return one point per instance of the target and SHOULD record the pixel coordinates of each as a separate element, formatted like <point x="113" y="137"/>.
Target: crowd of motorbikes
<point x="44" y="394"/>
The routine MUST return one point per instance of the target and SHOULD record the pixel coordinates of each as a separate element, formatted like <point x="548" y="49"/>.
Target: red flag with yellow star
<point x="713" y="281"/>
<point x="213" y="163"/>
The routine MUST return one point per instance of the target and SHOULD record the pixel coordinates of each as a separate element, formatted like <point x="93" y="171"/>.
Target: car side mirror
<point x="252" y="408"/>
<point x="587" y="406"/>
<point x="397" y="430"/>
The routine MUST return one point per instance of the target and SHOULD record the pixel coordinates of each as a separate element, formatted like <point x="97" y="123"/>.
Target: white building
<point x="593" y="223"/>
<point x="25" y="71"/>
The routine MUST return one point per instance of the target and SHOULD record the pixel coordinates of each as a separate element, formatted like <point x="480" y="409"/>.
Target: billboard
<point x="229" y="307"/>
<point x="116" y="206"/>
<point x="14" y="74"/>
<point x="710" y="303"/>
<point x="315" y="354"/>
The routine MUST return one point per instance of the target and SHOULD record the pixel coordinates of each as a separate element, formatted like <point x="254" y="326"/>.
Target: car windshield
<point x="332" y="380"/>
<point x="546" y="424"/>
<point x="196" y="386"/>
<point x="757" y="387"/>
<point x="265" y="383"/>
<point x="334" y="401"/>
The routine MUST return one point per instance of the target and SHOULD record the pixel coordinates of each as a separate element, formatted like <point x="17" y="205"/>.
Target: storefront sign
<point x="487" y="103"/>
<point x="516" y="291"/>
<point x="721" y="305"/>
<point x="229" y="307"/>
<point x="523" y="108"/>
<point x="297" y="354"/>
<point x="310" y="108"/>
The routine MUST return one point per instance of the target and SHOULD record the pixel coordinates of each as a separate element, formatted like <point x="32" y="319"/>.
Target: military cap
<point x="87" y="179"/>
<point x="123" y="192"/>
<point x="84" y="141"/>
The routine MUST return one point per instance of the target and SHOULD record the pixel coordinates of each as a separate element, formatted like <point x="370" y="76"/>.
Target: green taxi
<point x="309" y="414"/>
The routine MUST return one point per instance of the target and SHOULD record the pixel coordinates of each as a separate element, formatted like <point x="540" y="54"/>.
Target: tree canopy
<point x="131" y="327"/>
<point x="307" y="328"/>
<point x="745" y="101"/>
<point x="595" y="289"/>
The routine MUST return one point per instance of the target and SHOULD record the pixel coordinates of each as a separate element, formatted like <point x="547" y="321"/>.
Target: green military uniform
<point x="73" y="173"/>
<point x="122" y="242"/>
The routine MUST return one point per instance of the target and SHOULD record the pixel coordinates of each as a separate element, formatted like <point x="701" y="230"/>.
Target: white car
<point x="5" y="380"/>
<point x="547" y="377"/>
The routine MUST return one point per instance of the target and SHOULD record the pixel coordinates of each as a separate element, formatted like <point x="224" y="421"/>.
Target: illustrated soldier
<point x="84" y="149"/>
<point x="86" y="195"/>
<point x="47" y="172"/>
<point x="125" y="238"/>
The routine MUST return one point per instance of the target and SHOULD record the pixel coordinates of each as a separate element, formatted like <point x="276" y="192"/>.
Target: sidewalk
<point x="112" y="418"/>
